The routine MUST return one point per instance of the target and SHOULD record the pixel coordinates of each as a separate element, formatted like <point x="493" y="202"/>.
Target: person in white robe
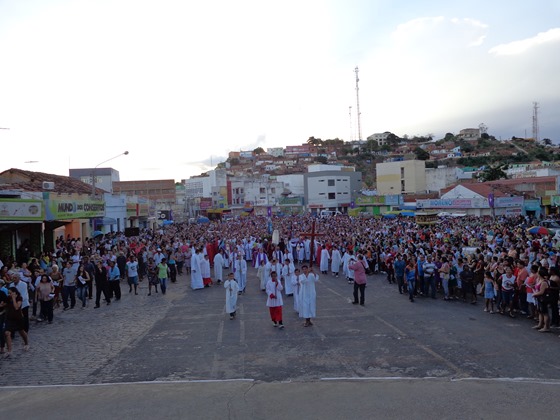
<point x="276" y="267"/>
<point x="296" y="285"/>
<point x="300" y="252"/>
<point x="287" y="273"/>
<point x="219" y="266"/>
<point x="267" y="271"/>
<point x="307" y="248"/>
<point x="232" y="290"/>
<point x="205" y="271"/>
<point x="325" y="257"/>
<point x="196" y="274"/>
<point x="307" y="295"/>
<point x="336" y="260"/>
<point x="350" y="271"/>
<point x="345" y="260"/>
<point x="293" y="245"/>
<point x="241" y="271"/>
<point x="261" y="256"/>
<point x="274" y="299"/>
<point x="262" y="276"/>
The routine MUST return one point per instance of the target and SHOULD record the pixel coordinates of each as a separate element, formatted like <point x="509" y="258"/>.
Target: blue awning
<point x="106" y="221"/>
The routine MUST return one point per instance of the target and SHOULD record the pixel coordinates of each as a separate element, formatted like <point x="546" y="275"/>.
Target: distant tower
<point x="358" y="105"/>
<point x="350" y="116"/>
<point x="535" y="122"/>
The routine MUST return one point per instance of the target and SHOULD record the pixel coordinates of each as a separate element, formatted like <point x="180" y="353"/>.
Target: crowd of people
<point x="466" y="259"/>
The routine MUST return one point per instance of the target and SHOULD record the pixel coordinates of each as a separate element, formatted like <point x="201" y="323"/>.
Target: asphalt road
<point x="180" y="356"/>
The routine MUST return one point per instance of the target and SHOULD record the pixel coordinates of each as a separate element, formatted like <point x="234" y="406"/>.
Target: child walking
<point x="274" y="301"/>
<point x="489" y="286"/>
<point x="232" y="289"/>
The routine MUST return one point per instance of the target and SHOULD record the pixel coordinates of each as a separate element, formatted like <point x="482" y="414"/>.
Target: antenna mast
<point x="358" y="105"/>
<point x="535" y="122"/>
<point x="350" y="115"/>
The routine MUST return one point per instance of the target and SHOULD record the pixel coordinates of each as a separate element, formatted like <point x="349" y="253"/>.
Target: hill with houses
<point x="469" y="148"/>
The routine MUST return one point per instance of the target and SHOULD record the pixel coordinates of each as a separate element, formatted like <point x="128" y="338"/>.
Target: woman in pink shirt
<point x="360" y="279"/>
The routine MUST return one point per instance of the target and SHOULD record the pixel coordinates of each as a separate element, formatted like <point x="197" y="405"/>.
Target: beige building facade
<point x="401" y="177"/>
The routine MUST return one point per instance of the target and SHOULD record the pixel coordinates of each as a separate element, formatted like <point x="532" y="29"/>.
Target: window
<point x="262" y="190"/>
<point x="332" y="196"/>
<point x="330" y="183"/>
<point x="273" y="190"/>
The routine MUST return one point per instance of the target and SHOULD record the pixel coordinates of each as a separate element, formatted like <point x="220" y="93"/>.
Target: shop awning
<point x="106" y="221"/>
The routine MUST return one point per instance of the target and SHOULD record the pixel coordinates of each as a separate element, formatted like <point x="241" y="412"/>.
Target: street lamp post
<point x="99" y="164"/>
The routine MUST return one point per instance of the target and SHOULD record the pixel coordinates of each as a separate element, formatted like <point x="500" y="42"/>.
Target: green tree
<point x="421" y="154"/>
<point x="321" y="159"/>
<point x="548" y="142"/>
<point x="393" y="139"/>
<point x="493" y="173"/>
<point x="258" y="151"/>
<point x="449" y="136"/>
<point x="314" y="142"/>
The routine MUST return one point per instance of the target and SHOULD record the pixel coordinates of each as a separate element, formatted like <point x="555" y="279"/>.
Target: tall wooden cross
<point x="312" y="234"/>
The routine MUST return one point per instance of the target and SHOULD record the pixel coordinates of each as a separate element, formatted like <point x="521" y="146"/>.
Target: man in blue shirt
<point x="114" y="280"/>
<point x="399" y="272"/>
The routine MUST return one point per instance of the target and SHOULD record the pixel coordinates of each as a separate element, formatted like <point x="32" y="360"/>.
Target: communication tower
<point x="358" y="105"/>
<point x="351" y="129"/>
<point x="536" y="122"/>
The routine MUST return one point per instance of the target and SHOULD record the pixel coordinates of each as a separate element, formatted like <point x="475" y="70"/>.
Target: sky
<point x="180" y="83"/>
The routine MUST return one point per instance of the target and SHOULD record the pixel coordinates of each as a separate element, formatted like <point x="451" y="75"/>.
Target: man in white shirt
<point x="132" y="274"/>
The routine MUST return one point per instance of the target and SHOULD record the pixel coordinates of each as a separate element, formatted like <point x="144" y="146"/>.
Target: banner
<point x="24" y="210"/>
<point x="73" y="207"/>
<point x="459" y="203"/>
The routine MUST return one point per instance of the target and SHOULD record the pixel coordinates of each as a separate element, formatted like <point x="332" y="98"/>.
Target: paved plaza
<point x="142" y="350"/>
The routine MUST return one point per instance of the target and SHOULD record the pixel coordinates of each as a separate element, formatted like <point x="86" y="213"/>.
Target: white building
<point x="293" y="183"/>
<point x="531" y="171"/>
<point x="115" y="212"/>
<point x="322" y="168"/>
<point x="380" y="138"/>
<point x="275" y="151"/>
<point x="261" y="193"/>
<point x="331" y="190"/>
<point x="469" y="134"/>
<point x="201" y="186"/>
<point x="439" y="178"/>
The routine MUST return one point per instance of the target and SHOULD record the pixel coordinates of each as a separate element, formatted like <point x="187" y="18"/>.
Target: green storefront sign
<point x="74" y="208"/>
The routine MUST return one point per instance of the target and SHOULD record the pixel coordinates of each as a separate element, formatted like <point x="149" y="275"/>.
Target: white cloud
<point x="183" y="83"/>
<point x="524" y="45"/>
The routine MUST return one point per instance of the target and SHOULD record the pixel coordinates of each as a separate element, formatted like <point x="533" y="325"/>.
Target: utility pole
<point x="358" y="105"/>
<point x="535" y="122"/>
